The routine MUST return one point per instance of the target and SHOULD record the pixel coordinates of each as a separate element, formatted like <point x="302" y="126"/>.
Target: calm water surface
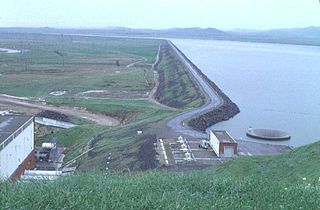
<point x="275" y="86"/>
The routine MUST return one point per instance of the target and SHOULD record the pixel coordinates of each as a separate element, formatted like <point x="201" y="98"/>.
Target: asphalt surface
<point x="213" y="101"/>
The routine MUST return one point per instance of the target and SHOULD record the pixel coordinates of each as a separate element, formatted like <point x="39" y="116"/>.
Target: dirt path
<point x="136" y="62"/>
<point x="98" y="118"/>
<point x="156" y="85"/>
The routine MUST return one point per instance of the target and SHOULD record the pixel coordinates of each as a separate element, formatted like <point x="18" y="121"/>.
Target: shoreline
<point x="218" y="108"/>
<point x="209" y="116"/>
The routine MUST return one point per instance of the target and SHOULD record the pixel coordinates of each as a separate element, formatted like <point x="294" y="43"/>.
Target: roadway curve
<point x="98" y="118"/>
<point x="213" y="101"/>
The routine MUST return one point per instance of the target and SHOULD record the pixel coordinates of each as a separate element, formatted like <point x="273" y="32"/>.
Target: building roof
<point x="10" y="123"/>
<point x="223" y="136"/>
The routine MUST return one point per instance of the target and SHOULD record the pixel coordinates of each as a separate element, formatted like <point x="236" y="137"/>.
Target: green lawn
<point x="127" y="110"/>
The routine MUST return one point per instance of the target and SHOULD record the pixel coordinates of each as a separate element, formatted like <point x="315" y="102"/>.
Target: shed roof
<point x="223" y="136"/>
<point x="10" y="123"/>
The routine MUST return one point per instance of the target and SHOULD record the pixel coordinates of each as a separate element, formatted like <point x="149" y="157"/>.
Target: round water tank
<point x="268" y="134"/>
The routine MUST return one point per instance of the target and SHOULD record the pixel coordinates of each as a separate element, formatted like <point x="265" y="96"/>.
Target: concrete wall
<point x="222" y="145"/>
<point x="16" y="152"/>
<point x="214" y="143"/>
<point x="27" y="164"/>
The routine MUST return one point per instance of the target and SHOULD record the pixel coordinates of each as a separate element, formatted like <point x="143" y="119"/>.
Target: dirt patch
<point x="112" y="94"/>
<point x="41" y="130"/>
<point x="147" y="154"/>
<point x="92" y="143"/>
<point x="54" y="115"/>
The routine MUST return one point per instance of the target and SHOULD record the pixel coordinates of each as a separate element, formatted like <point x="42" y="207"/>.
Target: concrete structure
<point x="16" y="145"/>
<point x="267" y="134"/>
<point x="222" y="143"/>
<point x="46" y="175"/>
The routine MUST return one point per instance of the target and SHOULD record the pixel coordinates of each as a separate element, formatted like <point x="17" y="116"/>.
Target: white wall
<point x="214" y="143"/>
<point x="16" y="152"/>
<point x="228" y="151"/>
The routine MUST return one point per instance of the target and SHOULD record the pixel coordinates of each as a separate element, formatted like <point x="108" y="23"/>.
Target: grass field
<point x="74" y="64"/>
<point x="97" y="76"/>
<point x="122" y="141"/>
<point x="244" y="183"/>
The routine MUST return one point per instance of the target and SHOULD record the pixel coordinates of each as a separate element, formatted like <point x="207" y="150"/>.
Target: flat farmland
<point x="74" y="64"/>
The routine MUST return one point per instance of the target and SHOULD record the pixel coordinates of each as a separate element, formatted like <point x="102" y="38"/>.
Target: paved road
<point x="98" y="118"/>
<point x="213" y="100"/>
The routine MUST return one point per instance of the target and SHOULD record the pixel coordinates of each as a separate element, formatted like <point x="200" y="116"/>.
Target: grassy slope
<point x="136" y="114"/>
<point x="238" y="184"/>
<point x="74" y="139"/>
<point x="177" y="88"/>
<point x="299" y="163"/>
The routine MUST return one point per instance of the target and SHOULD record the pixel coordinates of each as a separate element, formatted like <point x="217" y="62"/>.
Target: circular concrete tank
<point x="268" y="134"/>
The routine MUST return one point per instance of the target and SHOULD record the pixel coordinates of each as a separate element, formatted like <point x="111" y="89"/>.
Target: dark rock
<point x="54" y="115"/>
<point x="227" y="110"/>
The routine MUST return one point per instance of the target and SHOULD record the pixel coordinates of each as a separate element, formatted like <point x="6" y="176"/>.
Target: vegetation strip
<point x="288" y="181"/>
<point x="177" y="87"/>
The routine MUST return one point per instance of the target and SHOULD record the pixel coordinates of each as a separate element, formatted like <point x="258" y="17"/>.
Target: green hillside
<point x="288" y="181"/>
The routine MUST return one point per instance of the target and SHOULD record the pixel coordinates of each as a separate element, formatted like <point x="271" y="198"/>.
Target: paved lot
<point x="248" y="148"/>
<point x="188" y="153"/>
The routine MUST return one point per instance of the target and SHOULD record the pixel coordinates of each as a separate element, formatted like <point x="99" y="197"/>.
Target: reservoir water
<point x="276" y="86"/>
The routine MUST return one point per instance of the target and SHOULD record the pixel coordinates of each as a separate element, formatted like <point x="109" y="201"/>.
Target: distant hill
<point x="301" y="36"/>
<point x="309" y="32"/>
<point x="200" y="33"/>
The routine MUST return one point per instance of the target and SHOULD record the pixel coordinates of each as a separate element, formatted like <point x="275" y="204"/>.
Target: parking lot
<point x="185" y="151"/>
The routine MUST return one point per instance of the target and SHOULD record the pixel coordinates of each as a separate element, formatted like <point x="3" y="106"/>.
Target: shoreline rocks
<point x="227" y="110"/>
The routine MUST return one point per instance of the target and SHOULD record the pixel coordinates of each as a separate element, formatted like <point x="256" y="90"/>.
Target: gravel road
<point x="98" y="118"/>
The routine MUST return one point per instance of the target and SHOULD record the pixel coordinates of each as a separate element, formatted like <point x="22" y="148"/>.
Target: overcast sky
<point x="222" y="14"/>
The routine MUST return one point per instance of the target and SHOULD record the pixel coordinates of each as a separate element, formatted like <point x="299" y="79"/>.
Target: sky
<point x="160" y="14"/>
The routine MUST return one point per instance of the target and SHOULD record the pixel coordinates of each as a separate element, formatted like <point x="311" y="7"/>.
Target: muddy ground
<point x="54" y="115"/>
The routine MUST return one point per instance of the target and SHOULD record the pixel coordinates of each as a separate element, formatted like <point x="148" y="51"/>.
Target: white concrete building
<point x="16" y="145"/>
<point x="222" y="143"/>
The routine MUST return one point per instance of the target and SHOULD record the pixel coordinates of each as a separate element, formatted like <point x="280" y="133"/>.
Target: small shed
<point x="222" y="143"/>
